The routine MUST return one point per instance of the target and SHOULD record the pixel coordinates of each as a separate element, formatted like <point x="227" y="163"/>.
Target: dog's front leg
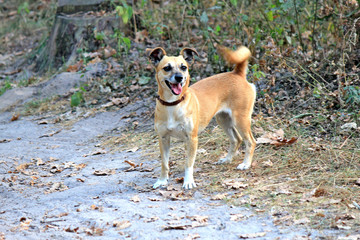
<point x="191" y="147"/>
<point x="164" y="143"/>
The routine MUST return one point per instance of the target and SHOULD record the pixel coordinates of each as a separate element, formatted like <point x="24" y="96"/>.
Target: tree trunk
<point x="74" y="31"/>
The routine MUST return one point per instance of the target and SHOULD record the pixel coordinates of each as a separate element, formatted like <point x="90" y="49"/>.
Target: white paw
<point x="224" y="161"/>
<point x="243" y="166"/>
<point x="189" y="185"/>
<point x="160" y="183"/>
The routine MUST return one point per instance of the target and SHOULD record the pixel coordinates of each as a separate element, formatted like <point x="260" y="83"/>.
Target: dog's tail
<point x="238" y="57"/>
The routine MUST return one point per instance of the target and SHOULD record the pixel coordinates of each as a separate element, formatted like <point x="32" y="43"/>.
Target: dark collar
<point x="170" y="103"/>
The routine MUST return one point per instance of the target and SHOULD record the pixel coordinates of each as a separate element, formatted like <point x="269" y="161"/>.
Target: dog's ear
<point x="188" y="54"/>
<point x="155" y="55"/>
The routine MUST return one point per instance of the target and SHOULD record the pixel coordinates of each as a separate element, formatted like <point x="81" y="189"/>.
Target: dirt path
<point x="57" y="184"/>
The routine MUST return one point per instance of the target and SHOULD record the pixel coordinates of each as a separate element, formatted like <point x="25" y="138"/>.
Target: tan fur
<point x="228" y="96"/>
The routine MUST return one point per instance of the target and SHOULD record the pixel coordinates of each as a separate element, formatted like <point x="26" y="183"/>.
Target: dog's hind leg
<point x="225" y="121"/>
<point x="243" y="125"/>
<point x="164" y="143"/>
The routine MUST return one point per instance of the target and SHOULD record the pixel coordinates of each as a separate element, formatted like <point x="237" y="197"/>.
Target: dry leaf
<point x="121" y="224"/>
<point x="80" y="166"/>
<point x="25" y="224"/>
<point x="176" y="195"/>
<point x="96" y="152"/>
<point x="22" y="167"/>
<point x="93" y="61"/>
<point x="15" y="117"/>
<point x="275" y="138"/>
<point x="252" y="235"/>
<point x="219" y="196"/>
<point x="76" y="67"/>
<point x="118" y="101"/>
<point x="134" y="149"/>
<point x="237" y="217"/>
<point x="197" y="218"/>
<point x="104" y="172"/>
<point x="152" y="219"/>
<point x="50" y="134"/>
<point x="192" y="236"/>
<point x="155" y="199"/>
<point x="135" y="199"/>
<point x="302" y="221"/>
<point x="235" y="183"/>
<point x="42" y="122"/>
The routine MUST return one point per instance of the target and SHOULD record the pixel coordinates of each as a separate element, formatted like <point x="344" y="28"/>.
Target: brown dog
<point x="183" y="111"/>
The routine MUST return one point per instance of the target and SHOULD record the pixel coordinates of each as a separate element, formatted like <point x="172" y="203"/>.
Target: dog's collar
<point x="170" y="103"/>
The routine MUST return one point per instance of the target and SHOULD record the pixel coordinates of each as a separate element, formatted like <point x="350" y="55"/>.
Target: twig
<point x="313" y="31"/>
<point x="356" y="205"/>
<point x="298" y="26"/>
<point x="303" y="115"/>
<point x="134" y="19"/>
<point x="344" y="142"/>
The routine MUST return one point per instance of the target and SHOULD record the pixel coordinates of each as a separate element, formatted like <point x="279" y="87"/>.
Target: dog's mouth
<point x="175" y="88"/>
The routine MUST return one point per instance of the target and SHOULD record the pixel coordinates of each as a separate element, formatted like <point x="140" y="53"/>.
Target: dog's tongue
<point x="176" y="88"/>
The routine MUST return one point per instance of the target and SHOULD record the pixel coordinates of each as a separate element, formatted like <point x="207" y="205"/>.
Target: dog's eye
<point x="183" y="68"/>
<point x="167" y="68"/>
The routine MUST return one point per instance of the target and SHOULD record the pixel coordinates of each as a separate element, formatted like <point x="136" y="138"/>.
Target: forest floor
<point x="78" y="153"/>
<point x="89" y="171"/>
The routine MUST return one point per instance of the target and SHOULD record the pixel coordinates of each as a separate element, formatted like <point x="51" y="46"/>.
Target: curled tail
<point x="238" y="57"/>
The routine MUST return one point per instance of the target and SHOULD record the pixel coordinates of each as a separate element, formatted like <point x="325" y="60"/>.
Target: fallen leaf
<point x="104" y="172"/>
<point x="155" y="199"/>
<point x="235" y="183"/>
<point x="121" y="224"/>
<point x="237" y="217"/>
<point x="197" y="218"/>
<point x="70" y="229"/>
<point x="176" y="195"/>
<point x="58" y="186"/>
<point x="301" y="221"/>
<point x="39" y="162"/>
<point x="96" y="152"/>
<point x="192" y="236"/>
<point x="345" y="217"/>
<point x="134" y="149"/>
<point x="94" y="231"/>
<point x="135" y="199"/>
<point x="118" y="101"/>
<point x="42" y="122"/>
<point x="152" y="219"/>
<point x="22" y="167"/>
<point x="50" y="134"/>
<point x="15" y="117"/>
<point x="25" y="224"/>
<point x="184" y="226"/>
<point x="93" y="61"/>
<point x="252" y="235"/>
<point x="350" y="237"/>
<point x="275" y="138"/>
<point x="76" y="67"/>
<point x="80" y="166"/>
<point x="219" y="196"/>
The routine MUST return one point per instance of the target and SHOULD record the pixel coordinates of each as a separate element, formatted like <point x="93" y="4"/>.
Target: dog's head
<point x="172" y="73"/>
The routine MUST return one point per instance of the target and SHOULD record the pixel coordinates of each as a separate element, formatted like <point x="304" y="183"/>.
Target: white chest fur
<point x="176" y="123"/>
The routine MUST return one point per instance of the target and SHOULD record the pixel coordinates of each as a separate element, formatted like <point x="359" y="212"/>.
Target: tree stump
<point x="74" y="28"/>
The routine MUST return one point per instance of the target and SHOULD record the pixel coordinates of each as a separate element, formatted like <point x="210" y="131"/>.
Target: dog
<point x="182" y="111"/>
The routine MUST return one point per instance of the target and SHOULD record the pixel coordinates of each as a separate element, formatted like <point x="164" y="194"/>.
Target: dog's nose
<point x="178" y="78"/>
